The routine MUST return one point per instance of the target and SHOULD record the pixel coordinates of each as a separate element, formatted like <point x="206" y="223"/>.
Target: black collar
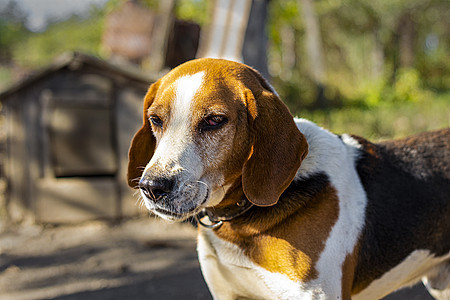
<point x="218" y="215"/>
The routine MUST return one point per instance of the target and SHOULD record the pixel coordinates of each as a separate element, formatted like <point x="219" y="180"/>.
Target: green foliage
<point x="114" y="4"/>
<point x="85" y="34"/>
<point x="353" y="33"/>
<point x="387" y="120"/>
<point x="299" y="91"/>
<point x="40" y="49"/>
<point x="407" y="87"/>
<point x="12" y="29"/>
<point x="5" y="77"/>
<point x="434" y="64"/>
<point x="193" y="10"/>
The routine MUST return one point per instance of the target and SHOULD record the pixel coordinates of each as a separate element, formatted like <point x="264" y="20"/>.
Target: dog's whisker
<point x="136" y="179"/>
<point x="202" y="182"/>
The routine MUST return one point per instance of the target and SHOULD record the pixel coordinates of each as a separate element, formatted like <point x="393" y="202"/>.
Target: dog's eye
<point x="213" y="122"/>
<point x="156" y="121"/>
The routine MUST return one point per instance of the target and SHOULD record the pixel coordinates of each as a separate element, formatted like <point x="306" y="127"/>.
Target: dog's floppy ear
<point x="278" y="146"/>
<point x="143" y="143"/>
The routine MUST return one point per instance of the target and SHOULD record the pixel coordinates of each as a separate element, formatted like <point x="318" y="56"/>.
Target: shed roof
<point x="75" y="60"/>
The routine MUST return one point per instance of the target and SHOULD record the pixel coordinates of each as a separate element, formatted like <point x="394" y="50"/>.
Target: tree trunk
<point x="254" y="50"/>
<point x="314" y="50"/>
<point x="406" y="33"/>
<point x="377" y="55"/>
<point x="163" y="24"/>
<point x="289" y="51"/>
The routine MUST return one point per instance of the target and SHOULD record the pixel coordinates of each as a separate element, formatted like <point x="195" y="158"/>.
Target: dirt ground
<point x="144" y="258"/>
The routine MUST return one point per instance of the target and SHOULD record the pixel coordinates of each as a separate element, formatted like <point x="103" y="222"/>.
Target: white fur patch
<point x="350" y="141"/>
<point x="174" y="148"/>
<point x="335" y="157"/>
<point x="228" y="272"/>
<point x="176" y="155"/>
<point x="186" y="88"/>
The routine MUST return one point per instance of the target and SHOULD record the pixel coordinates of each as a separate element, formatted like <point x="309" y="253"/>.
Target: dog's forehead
<point x="199" y="87"/>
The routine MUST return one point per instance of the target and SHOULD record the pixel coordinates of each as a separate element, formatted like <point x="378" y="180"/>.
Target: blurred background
<point x="329" y="55"/>
<point x="72" y="78"/>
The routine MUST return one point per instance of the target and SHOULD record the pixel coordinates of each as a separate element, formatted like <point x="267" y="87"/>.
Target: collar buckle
<point x="217" y="216"/>
<point x="214" y="224"/>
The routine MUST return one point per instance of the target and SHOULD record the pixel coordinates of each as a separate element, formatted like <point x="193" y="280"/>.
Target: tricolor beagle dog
<point x="288" y="209"/>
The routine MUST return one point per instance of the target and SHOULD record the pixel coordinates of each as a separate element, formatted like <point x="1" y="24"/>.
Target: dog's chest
<point x="227" y="271"/>
<point x="230" y="274"/>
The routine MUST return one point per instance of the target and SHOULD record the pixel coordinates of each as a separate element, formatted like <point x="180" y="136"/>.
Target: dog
<point x="286" y="209"/>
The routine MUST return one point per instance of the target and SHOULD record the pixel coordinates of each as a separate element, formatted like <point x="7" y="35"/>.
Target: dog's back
<point x="408" y="185"/>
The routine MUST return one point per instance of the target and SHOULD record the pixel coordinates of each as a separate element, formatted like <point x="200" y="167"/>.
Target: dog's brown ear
<point x="143" y="143"/>
<point x="278" y="146"/>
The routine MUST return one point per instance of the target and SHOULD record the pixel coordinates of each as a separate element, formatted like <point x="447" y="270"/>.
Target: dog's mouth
<point x="180" y="212"/>
<point x="174" y="216"/>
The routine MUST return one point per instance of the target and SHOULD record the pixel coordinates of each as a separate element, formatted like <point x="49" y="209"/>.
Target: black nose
<point x="156" y="189"/>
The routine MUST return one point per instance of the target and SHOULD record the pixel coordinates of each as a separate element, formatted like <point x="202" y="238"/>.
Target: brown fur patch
<point x="348" y="274"/>
<point x="288" y="237"/>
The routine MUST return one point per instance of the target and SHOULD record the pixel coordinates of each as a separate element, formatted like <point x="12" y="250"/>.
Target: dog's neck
<point x="311" y="178"/>
<point x="233" y="205"/>
<point x="236" y="210"/>
<point x="311" y="204"/>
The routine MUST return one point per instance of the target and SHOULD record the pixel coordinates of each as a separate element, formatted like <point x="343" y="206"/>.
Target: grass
<point x="5" y="77"/>
<point x="387" y="120"/>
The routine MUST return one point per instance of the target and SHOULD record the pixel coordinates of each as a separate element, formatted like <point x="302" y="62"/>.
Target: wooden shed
<point x="66" y="132"/>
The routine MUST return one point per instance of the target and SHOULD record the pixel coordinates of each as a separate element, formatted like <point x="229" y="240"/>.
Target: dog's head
<point x="207" y="124"/>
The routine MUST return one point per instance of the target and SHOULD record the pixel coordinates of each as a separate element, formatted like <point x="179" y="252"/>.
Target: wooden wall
<point x="67" y="143"/>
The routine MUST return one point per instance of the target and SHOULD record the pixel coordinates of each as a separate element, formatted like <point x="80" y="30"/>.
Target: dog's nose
<point x="156" y="189"/>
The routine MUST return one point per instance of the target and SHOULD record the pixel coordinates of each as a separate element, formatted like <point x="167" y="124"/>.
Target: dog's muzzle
<point x="156" y="189"/>
<point x="170" y="199"/>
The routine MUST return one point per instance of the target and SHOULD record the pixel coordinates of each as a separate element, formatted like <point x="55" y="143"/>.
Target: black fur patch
<point x="408" y="188"/>
<point x="307" y="187"/>
<point x="297" y="196"/>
